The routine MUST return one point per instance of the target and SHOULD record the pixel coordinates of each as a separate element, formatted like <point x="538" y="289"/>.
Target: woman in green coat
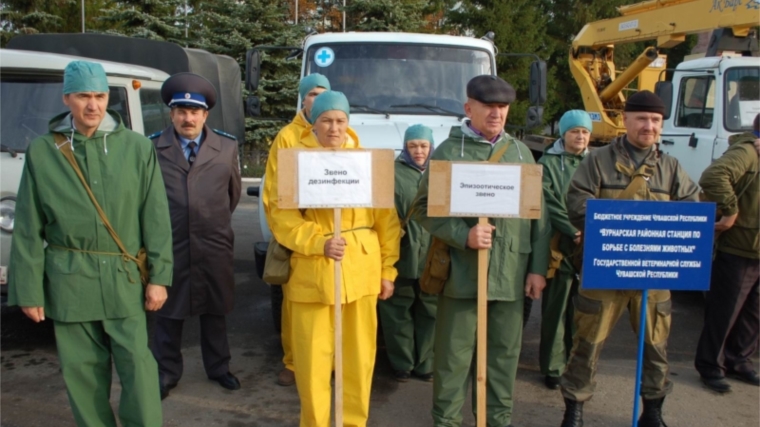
<point x="408" y="317"/>
<point x="560" y="161"/>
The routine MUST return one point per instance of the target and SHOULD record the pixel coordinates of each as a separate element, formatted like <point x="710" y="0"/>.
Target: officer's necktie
<point x="191" y="157"/>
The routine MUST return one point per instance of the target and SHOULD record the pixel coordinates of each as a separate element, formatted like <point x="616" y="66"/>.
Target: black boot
<point x="573" y="414"/>
<point x="652" y="415"/>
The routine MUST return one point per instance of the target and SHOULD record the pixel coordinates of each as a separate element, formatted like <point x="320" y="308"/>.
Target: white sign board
<point x="485" y="190"/>
<point x="328" y="179"/>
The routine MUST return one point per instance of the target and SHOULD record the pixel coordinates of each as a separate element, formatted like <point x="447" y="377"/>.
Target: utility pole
<point x="344" y="16"/>
<point x="296" y="12"/>
<point x="82" y="16"/>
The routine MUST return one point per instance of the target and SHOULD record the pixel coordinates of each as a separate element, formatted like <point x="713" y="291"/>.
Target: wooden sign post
<point x="483" y="190"/>
<point x="322" y="178"/>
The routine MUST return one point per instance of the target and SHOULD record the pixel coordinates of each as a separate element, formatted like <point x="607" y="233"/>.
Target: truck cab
<point x="708" y="100"/>
<point x="392" y="81"/>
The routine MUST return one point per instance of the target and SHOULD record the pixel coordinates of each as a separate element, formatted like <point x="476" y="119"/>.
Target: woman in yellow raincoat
<point x="368" y="248"/>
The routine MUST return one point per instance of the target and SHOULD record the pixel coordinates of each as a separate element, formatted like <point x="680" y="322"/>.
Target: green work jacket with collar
<point x="76" y="277"/>
<point x="735" y="171"/>
<point x="559" y="167"/>
<point x="416" y="240"/>
<point x="519" y="246"/>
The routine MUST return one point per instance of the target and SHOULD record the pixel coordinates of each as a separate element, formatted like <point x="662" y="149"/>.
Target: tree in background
<point x="156" y="19"/>
<point x="519" y="27"/>
<point x="386" y="15"/>
<point x="48" y="16"/>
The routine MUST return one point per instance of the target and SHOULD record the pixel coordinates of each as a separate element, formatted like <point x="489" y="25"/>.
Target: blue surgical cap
<point x="418" y="132"/>
<point x="574" y="119"/>
<point x="328" y="101"/>
<point x="84" y="76"/>
<point x="310" y="82"/>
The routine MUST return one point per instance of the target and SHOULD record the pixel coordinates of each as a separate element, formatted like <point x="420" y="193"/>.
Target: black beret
<point x="645" y="101"/>
<point x="188" y="90"/>
<point x="490" y="89"/>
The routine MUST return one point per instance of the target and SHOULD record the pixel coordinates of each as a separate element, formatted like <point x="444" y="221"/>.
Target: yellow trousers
<point x="286" y="330"/>
<point x="313" y="343"/>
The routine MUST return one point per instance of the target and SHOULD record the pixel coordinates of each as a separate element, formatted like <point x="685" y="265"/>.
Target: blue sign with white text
<point x="648" y="245"/>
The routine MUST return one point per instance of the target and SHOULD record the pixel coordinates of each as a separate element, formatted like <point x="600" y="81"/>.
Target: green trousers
<point x="85" y="350"/>
<point x="408" y="319"/>
<point x="455" y="343"/>
<point x="557" y="320"/>
<point x="596" y="313"/>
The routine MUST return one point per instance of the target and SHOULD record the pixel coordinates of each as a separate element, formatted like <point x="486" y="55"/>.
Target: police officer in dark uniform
<point x="201" y="172"/>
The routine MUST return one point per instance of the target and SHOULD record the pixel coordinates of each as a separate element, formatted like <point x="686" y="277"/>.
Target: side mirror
<point x="537" y="89"/>
<point x="253" y="106"/>
<point x="665" y="91"/>
<point x="252" y="69"/>
<point x="534" y="118"/>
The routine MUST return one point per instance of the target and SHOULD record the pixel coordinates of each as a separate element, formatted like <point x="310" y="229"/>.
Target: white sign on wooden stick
<point x="485" y="190"/>
<point x="334" y="179"/>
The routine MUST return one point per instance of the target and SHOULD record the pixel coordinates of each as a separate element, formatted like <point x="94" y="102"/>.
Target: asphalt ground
<point x="32" y="392"/>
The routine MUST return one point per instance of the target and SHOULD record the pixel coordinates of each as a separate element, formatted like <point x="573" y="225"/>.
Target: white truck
<point x="392" y="81"/>
<point x="31" y="87"/>
<point x="708" y="100"/>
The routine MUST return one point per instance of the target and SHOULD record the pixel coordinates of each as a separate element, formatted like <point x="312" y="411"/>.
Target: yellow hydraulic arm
<point x="668" y="22"/>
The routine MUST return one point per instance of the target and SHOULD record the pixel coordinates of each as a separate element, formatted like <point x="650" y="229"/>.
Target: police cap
<point x="188" y="90"/>
<point x="490" y="89"/>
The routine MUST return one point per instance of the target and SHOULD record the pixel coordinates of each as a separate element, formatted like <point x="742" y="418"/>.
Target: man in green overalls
<point x="518" y="253"/>
<point x="408" y="317"/>
<point x="80" y="278"/>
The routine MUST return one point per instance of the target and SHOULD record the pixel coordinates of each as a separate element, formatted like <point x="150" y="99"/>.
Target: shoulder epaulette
<point x="155" y="135"/>
<point x="223" y="133"/>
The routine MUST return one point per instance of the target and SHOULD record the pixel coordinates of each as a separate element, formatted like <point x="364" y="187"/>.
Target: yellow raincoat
<point x="287" y="137"/>
<point x="372" y="248"/>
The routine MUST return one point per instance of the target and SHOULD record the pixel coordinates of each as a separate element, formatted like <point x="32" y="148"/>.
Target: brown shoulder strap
<point x="64" y="146"/>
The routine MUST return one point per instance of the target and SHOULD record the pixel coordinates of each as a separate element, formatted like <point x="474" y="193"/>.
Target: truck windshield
<point x="742" y="98"/>
<point x="382" y="78"/>
<point x="29" y="102"/>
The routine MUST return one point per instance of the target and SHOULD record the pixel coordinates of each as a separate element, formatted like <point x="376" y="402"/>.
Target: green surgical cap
<point x="310" y="82"/>
<point x="83" y="76"/>
<point x="418" y="132"/>
<point x="328" y="101"/>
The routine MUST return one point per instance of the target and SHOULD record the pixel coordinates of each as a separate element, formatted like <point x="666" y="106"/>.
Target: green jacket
<point x="559" y="167"/>
<point x="519" y="246"/>
<point x="607" y="171"/>
<point x="416" y="241"/>
<point x="77" y="284"/>
<point x="736" y="171"/>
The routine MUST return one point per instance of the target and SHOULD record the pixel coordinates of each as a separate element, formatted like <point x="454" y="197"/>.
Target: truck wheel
<point x="275" y="293"/>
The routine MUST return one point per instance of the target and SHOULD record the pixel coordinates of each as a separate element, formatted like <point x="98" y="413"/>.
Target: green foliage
<point x="519" y="27"/>
<point x="47" y="16"/>
<point x="386" y="15"/>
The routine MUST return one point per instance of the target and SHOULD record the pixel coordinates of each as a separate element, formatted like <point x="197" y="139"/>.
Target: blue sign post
<point x="642" y="245"/>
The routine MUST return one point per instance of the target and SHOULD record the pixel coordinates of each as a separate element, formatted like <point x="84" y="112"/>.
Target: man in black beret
<point x="630" y="167"/>
<point x="481" y="137"/>
<point x="202" y="177"/>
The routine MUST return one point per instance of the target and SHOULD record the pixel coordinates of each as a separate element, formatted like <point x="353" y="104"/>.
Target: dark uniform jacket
<point x="201" y="201"/>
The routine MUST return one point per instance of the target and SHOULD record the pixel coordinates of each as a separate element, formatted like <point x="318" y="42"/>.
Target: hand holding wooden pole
<point x="338" y="329"/>
<point x="482" y="331"/>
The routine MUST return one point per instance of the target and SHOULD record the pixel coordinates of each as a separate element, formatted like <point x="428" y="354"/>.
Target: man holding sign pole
<point x="518" y="248"/>
<point x="632" y="168"/>
<point x="367" y="248"/>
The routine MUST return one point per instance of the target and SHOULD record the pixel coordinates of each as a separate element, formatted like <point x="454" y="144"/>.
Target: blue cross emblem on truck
<point x="324" y="57"/>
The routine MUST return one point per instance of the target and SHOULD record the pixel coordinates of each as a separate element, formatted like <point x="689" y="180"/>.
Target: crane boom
<point x="669" y="21"/>
<point x="666" y="21"/>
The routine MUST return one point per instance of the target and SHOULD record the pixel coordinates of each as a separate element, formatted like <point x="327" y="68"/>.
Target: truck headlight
<point x="7" y="213"/>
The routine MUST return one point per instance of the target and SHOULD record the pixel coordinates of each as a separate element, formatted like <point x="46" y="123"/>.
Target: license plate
<point x="3" y="275"/>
